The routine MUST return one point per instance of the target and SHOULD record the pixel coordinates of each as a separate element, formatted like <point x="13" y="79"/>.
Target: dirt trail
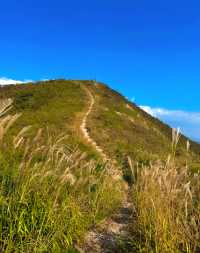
<point x="112" y="234"/>
<point x="84" y="128"/>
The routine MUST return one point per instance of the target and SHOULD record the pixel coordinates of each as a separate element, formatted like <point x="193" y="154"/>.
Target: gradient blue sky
<point x="148" y="50"/>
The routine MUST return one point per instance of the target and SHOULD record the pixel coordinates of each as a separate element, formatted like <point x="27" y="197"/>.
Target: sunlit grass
<point x="50" y="195"/>
<point x="167" y="201"/>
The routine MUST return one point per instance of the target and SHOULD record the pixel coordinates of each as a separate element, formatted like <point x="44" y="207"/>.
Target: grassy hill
<point x="124" y="129"/>
<point x="53" y="105"/>
<point x="117" y="125"/>
<point x="55" y="186"/>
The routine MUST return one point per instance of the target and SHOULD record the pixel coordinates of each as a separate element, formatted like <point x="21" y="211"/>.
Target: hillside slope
<point x="66" y="148"/>
<point x="119" y="127"/>
<point x="123" y="129"/>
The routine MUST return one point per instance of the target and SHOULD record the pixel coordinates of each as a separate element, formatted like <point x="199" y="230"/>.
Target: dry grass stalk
<point x="54" y="194"/>
<point x="168" y="203"/>
<point x="6" y="121"/>
<point x="5" y="105"/>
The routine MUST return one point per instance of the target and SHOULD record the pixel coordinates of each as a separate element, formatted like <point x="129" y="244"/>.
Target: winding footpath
<point x="84" y="128"/>
<point x="111" y="236"/>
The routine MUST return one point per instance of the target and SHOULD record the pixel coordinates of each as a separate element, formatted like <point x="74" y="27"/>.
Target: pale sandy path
<point x="84" y="128"/>
<point x="109" y="236"/>
<point x="106" y="236"/>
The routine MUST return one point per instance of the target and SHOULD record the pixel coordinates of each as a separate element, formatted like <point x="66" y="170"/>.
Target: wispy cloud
<point x="189" y="122"/>
<point x="7" y="81"/>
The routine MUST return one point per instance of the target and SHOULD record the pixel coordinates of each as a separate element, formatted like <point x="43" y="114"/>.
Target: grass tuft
<point x="50" y="195"/>
<point x="168" y="207"/>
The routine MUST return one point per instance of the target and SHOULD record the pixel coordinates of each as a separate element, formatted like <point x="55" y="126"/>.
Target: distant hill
<point x="118" y="126"/>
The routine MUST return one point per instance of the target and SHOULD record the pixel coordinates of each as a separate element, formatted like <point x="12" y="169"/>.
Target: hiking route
<point x="111" y="235"/>
<point x="84" y="128"/>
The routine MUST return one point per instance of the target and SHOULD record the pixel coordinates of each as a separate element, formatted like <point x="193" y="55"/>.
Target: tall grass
<point x="5" y="105"/>
<point x="167" y="201"/>
<point x="50" y="195"/>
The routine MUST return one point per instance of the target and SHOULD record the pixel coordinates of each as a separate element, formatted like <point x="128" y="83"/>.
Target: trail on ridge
<point x="113" y="233"/>
<point x="84" y="128"/>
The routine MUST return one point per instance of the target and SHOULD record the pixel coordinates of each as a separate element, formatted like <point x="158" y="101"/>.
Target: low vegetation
<point x="167" y="201"/>
<point x="55" y="105"/>
<point x="126" y="130"/>
<point x="49" y="194"/>
<point x="54" y="187"/>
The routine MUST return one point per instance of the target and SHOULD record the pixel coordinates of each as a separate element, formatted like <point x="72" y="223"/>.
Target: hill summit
<point x="82" y="169"/>
<point x="117" y="127"/>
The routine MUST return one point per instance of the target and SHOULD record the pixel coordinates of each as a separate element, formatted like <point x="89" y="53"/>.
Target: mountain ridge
<point x="118" y="126"/>
<point x="85" y="167"/>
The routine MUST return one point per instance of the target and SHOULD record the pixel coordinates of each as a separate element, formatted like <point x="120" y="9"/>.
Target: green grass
<point x="58" y="106"/>
<point x="50" y="192"/>
<point x="52" y="105"/>
<point x="167" y="205"/>
<point x="48" y="204"/>
<point x="53" y="188"/>
<point x="143" y="139"/>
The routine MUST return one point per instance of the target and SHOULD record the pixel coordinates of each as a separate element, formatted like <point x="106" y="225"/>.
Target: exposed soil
<point x="112" y="235"/>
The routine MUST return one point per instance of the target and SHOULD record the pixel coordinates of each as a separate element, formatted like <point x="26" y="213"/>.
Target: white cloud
<point x="178" y="114"/>
<point x="189" y="122"/>
<point x="7" y="81"/>
<point x="148" y="109"/>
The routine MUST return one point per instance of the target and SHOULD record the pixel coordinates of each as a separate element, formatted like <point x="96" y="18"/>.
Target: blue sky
<point x="148" y="50"/>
